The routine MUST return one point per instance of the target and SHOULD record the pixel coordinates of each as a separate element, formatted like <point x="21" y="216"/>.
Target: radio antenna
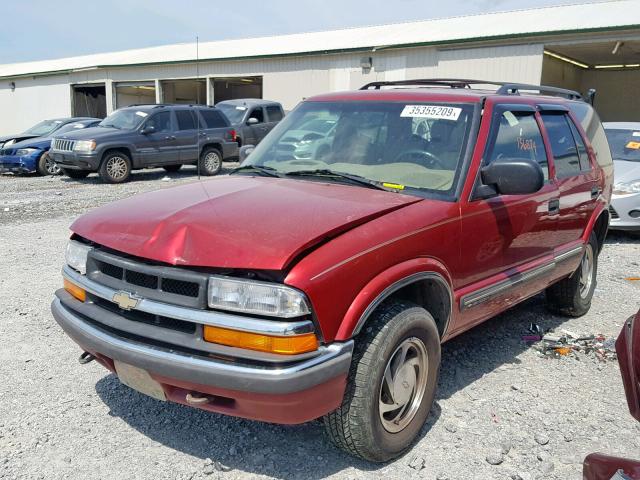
<point x="198" y="102"/>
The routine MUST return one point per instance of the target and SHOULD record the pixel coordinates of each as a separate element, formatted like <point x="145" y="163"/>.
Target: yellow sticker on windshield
<point x="633" y="145"/>
<point x="393" y="185"/>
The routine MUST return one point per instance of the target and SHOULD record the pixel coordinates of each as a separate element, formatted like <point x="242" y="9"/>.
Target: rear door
<point x="577" y="179"/>
<point x="186" y="136"/>
<point x="508" y="240"/>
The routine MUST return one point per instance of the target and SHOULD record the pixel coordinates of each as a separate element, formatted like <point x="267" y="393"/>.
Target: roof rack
<point x="504" y="88"/>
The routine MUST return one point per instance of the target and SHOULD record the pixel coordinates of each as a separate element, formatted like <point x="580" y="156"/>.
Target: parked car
<point x="624" y="140"/>
<point x="32" y="155"/>
<point x="296" y="289"/>
<point x="252" y="118"/>
<point x="42" y="129"/>
<point x="598" y="466"/>
<point x="147" y="136"/>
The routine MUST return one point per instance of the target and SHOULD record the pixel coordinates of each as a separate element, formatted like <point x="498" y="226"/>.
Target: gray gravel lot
<point x="499" y="401"/>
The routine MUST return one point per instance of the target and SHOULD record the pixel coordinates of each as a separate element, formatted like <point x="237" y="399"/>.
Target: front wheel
<point x="391" y="384"/>
<point x="46" y="165"/>
<point x="210" y="161"/>
<point x="572" y="295"/>
<point x="115" y="168"/>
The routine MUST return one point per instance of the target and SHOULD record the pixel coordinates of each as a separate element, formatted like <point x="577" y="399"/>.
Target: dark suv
<point x="144" y="136"/>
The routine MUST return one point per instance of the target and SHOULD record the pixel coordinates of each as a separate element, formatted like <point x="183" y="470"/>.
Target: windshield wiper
<point x="268" y="171"/>
<point x="325" y="172"/>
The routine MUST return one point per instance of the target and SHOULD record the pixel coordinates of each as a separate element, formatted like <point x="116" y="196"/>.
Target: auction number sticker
<point x="431" y="111"/>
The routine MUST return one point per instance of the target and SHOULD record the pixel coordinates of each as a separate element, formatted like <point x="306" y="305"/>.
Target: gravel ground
<point x="499" y="401"/>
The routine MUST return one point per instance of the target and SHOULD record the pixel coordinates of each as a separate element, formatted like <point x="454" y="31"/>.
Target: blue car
<point x="32" y="155"/>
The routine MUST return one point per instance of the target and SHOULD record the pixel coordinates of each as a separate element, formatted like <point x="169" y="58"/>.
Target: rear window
<point x="213" y="119"/>
<point x="624" y="143"/>
<point x="186" y="121"/>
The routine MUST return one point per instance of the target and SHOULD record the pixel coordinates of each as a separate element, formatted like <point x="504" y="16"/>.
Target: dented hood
<point x="234" y="221"/>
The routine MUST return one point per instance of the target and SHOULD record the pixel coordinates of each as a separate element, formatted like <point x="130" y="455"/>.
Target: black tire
<point x="356" y="426"/>
<point x="77" y="174"/>
<point x="46" y="165"/>
<point x="210" y="161"/>
<point x="172" y="168"/>
<point x="115" y="167"/>
<point x="572" y="296"/>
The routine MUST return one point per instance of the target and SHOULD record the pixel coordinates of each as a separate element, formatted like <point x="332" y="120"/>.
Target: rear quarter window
<point x="213" y="119"/>
<point x="592" y="126"/>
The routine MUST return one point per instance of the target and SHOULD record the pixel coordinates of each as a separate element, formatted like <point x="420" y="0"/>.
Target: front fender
<point x="383" y="285"/>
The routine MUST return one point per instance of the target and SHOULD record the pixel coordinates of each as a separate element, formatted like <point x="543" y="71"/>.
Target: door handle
<point x="554" y="206"/>
<point x="170" y="137"/>
<point x="595" y="192"/>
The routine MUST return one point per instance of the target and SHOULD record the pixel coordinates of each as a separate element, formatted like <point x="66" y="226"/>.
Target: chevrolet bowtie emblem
<point x="126" y="300"/>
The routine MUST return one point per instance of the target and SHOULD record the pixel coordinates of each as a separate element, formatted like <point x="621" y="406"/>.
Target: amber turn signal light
<point x="289" y="345"/>
<point x="75" y="290"/>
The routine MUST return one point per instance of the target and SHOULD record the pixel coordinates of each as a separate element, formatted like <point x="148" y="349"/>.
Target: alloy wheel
<point x="586" y="271"/>
<point x="212" y="162"/>
<point x="117" y="168"/>
<point x="50" y="166"/>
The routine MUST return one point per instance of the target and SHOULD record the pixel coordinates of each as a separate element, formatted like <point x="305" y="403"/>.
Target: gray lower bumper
<point x="75" y="161"/>
<point x="332" y="362"/>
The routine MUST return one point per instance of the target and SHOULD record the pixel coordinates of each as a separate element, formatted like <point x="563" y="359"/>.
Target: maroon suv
<point x="320" y="278"/>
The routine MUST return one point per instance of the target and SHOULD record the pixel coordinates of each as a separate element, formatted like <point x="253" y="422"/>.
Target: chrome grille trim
<point x="62" y="145"/>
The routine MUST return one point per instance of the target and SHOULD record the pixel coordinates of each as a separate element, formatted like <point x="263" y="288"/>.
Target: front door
<point x="258" y="130"/>
<point x="158" y="146"/>
<point x="507" y="240"/>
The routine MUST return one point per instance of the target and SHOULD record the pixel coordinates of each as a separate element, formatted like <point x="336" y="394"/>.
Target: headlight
<point x="260" y="298"/>
<point x="22" y="152"/>
<point x="626" y="188"/>
<point x="76" y="256"/>
<point x="85" y="146"/>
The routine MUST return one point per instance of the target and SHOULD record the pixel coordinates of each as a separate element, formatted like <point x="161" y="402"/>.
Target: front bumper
<point x="281" y="393"/>
<point x="76" y="161"/>
<point x="17" y="164"/>
<point x="621" y="205"/>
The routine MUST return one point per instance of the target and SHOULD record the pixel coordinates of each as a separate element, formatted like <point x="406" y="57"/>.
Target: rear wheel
<point x="46" y="165"/>
<point x="572" y="295"/>
<point x="172" y="168"/>
<point x="77" y="174"/>
<point x="115" y="168"/>
<point x="210" y="161"/>
<point x="391" y="384"/>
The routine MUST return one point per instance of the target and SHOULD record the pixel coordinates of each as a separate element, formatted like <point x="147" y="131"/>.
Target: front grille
<point x="147" y="318"/>
<point x="163" y="284"/>
<point x="62" y="145"/>
<point x="614" y="214"/>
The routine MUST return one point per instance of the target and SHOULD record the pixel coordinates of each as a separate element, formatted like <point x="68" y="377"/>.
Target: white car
<point x="624" y="141"/>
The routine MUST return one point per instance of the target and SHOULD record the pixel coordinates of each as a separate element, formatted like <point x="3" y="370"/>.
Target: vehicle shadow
<point x="302" y="451"/>
<point x="618" y="236"/>
<point x="157" y="174"/>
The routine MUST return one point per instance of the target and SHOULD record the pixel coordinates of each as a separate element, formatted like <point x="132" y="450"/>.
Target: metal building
<point x="576" y="46"/>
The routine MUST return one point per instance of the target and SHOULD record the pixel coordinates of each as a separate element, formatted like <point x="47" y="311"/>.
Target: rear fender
<point x="601" y="231"/>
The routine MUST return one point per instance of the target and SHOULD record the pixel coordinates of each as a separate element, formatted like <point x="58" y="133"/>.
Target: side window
<point x="257" y="113"/>
<point x="585" y="164"/>
<point x="563" y="146"/>
<point x="518" y="136"/>
<point x="274" y="113"/>
<point x="185" y="120"/>
<point x="160" y="121"/>
<point x="213" y="119"/>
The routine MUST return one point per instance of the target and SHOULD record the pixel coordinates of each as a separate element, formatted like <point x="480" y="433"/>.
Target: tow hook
<point x="85" y="358"/>
<point x="192" y="400"/>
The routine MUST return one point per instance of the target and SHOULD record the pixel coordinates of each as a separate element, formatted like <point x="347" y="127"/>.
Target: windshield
<point x="124" y="119"/>
<point x="70" y="127"/>
<point x="234" y="113"/>
<point x="413" y="146"/>
<point x="624" y="144"/>
<point x="44" y="128"/>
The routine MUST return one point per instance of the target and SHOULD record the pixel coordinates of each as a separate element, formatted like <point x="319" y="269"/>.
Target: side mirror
<point x="245" y="151"/>
<point x="148" y="129"/>
<point x="513" y="176"/>
<point x="252" y="121"/>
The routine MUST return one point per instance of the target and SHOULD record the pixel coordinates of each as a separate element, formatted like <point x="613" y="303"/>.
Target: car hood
<point x="92" y="133"/>
<point x="18" y="137"/>
<point x="626" y="171"/>
<point x="235" y="221"/>
<point x="35" y="142"/>
<point x="628" y="350"/>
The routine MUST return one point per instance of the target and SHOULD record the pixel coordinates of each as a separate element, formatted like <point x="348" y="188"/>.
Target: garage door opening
<point x="89" y="101"/>
<point x="612" y="68"/>
<point x="189" y="92"/>
<point x="135" y="93"/>
<point x="236" y="87"/>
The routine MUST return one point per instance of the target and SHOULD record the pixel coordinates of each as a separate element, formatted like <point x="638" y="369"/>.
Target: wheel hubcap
<point x="586" y="272"/>
<point x="50" y="166"/>
<point x="211" y="161"/>
<point x="403" y="385"/>
<point x="117" y="167"/>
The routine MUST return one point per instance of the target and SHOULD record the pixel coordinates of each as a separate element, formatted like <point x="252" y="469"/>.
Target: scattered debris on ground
<point x="565" y="343"/>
